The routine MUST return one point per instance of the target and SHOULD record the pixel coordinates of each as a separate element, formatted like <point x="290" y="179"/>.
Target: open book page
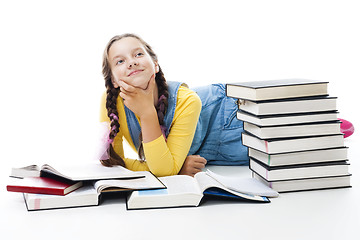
<point x="205" y="182"/>
<point x="28" y="171"/>
<point x="147" y="182"/>
<point x="244" y="185"/>
<point x="78" y="171"/>
<point x="181" y="190"/>
<point x="180" y="184"/>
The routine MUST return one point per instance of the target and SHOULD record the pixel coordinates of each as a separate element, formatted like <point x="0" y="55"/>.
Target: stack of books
<point x="293" y="134"/>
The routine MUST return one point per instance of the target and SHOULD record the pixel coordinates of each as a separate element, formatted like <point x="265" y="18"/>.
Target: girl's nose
<point x="132" y="63"/>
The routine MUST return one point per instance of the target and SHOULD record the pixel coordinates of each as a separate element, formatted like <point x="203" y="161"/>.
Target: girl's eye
<point x="119" y="62"/>
<point x="139" y="54"/>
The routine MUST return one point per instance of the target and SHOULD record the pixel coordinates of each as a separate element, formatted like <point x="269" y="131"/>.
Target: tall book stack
<point x="293" y="134"/>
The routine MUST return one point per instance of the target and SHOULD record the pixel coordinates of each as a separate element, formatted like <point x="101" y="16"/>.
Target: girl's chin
<point x="140" y="83"/>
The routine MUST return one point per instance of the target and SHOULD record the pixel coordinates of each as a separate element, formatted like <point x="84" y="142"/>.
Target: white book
<point x="276" y="89"/>
<point x="84" y="196"/>
<point x="307" y="184"/>
<point x="301" y="171"/>
<point x="311" y="156"/>
<point x="287" y="119"/>
<point x="183" y="190"/>
<point x="288" y="106"/>
<point x="284" y="145"/>
<point x="296" y="130"/>
<point x="76" y="172"/>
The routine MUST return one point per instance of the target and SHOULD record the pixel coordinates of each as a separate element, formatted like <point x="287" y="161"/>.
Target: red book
<point x="42" y="185"/>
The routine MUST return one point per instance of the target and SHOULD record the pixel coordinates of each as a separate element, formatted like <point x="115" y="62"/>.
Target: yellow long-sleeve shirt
<point x="163" y="158"/>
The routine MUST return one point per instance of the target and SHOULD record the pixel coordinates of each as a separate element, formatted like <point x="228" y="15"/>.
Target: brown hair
<point x="112" y="94"/>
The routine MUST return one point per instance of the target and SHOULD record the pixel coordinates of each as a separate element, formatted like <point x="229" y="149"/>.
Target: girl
<point x="174" y="129"/>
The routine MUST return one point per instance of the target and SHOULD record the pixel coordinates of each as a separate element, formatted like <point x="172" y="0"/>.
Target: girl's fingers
<point x="124" y="87"/>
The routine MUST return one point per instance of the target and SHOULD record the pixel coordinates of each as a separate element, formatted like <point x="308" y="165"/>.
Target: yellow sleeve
<point x="166" y="158"/>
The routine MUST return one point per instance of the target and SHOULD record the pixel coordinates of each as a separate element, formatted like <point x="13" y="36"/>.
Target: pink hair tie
<point x="113" y="115"/>
<point x="163" y="130"/>
<point x="162" y="97"/>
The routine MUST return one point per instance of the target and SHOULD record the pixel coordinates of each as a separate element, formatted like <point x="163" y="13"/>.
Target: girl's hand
<point x="138" y="100"/>
<point x="192" y="165"/>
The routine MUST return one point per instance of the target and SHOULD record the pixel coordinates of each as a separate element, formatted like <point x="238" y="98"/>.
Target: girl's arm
<point x="167" y="157"/>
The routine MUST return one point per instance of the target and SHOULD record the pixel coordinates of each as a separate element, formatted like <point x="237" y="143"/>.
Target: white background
<point x="51" y="56"/>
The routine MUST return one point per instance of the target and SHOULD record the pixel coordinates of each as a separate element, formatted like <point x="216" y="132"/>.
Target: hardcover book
<point x="42" y="185"/>
<point x="290" y="106"/>
<point x="276" y="89"/>
<point x="76" y="172"/>
<point x="183" y="190"/>
<point x="301" y="171"/>
<point x="287" y="119"/>
<point x="291" y="158"/>
<point x="296" y="130"/>
<point x="284" y="186"/>
<point x="295" y="144"/>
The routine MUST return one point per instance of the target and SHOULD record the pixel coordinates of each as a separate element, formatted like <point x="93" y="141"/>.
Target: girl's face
<point x="130" y="62"/>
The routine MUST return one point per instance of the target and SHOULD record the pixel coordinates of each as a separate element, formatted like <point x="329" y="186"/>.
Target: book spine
<point x="34" y="190"/>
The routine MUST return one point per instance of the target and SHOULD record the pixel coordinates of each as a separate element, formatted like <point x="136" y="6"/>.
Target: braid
<point x="161" y="107"/>
<point x="111" y="100"/>
<point x="163" y="99"/>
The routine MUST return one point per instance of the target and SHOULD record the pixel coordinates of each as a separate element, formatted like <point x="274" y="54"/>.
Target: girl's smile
<point x="134" y="72"/>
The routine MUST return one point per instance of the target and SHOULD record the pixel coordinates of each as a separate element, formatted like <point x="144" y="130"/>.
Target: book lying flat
<point x="287" y="119"/>
<point x="288" y="106"/>
<point x="89" y="194"/>
<point x="276" y="89"/>
<point x="285" y="145"/>
<point x="84" y="196"/>
<point x="311" y="156"/>
<point x="301" y="171"/>
<point x="307" y="184"/>
<point x="76" y="172"/>
<point x="296" y="130"/>
<point x="183" y="190"/>
<point x="42" y="185"/>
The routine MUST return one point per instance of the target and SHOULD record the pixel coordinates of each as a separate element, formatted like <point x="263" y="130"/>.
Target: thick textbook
<point x="276" y="89"/>
<point x="301" y="171"/>
<point x="290" y="106"/>
<point x="295" y="144"/>
<point x="84" y="196"/>
<point x="89" y="194"/>
<point x="291" y="158"/>
<point x="76" y="172"/>
<point x="287" y="119"/>
<point x="307" y="184"/>
<point x="295" y="130"/>
<point x="42" y="185"/>
<point x="184" y="190"/>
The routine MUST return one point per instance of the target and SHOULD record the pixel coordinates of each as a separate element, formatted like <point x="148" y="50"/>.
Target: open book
<point x="76" y="172"/>
<point x="89" y="194"/>
<point x="184" y="190"/>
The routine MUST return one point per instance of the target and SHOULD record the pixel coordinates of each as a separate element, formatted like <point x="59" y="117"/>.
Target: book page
<point x="147" y="182"/>
<point x="90" y="171"/>
<point x="179" y="184"/>
<point x="244" y="185"/>
<point x="206" y="181"/>
<point x="28" y="171"/>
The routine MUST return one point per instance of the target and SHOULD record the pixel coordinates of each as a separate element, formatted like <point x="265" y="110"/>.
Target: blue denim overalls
<point x="218" y="132"/>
